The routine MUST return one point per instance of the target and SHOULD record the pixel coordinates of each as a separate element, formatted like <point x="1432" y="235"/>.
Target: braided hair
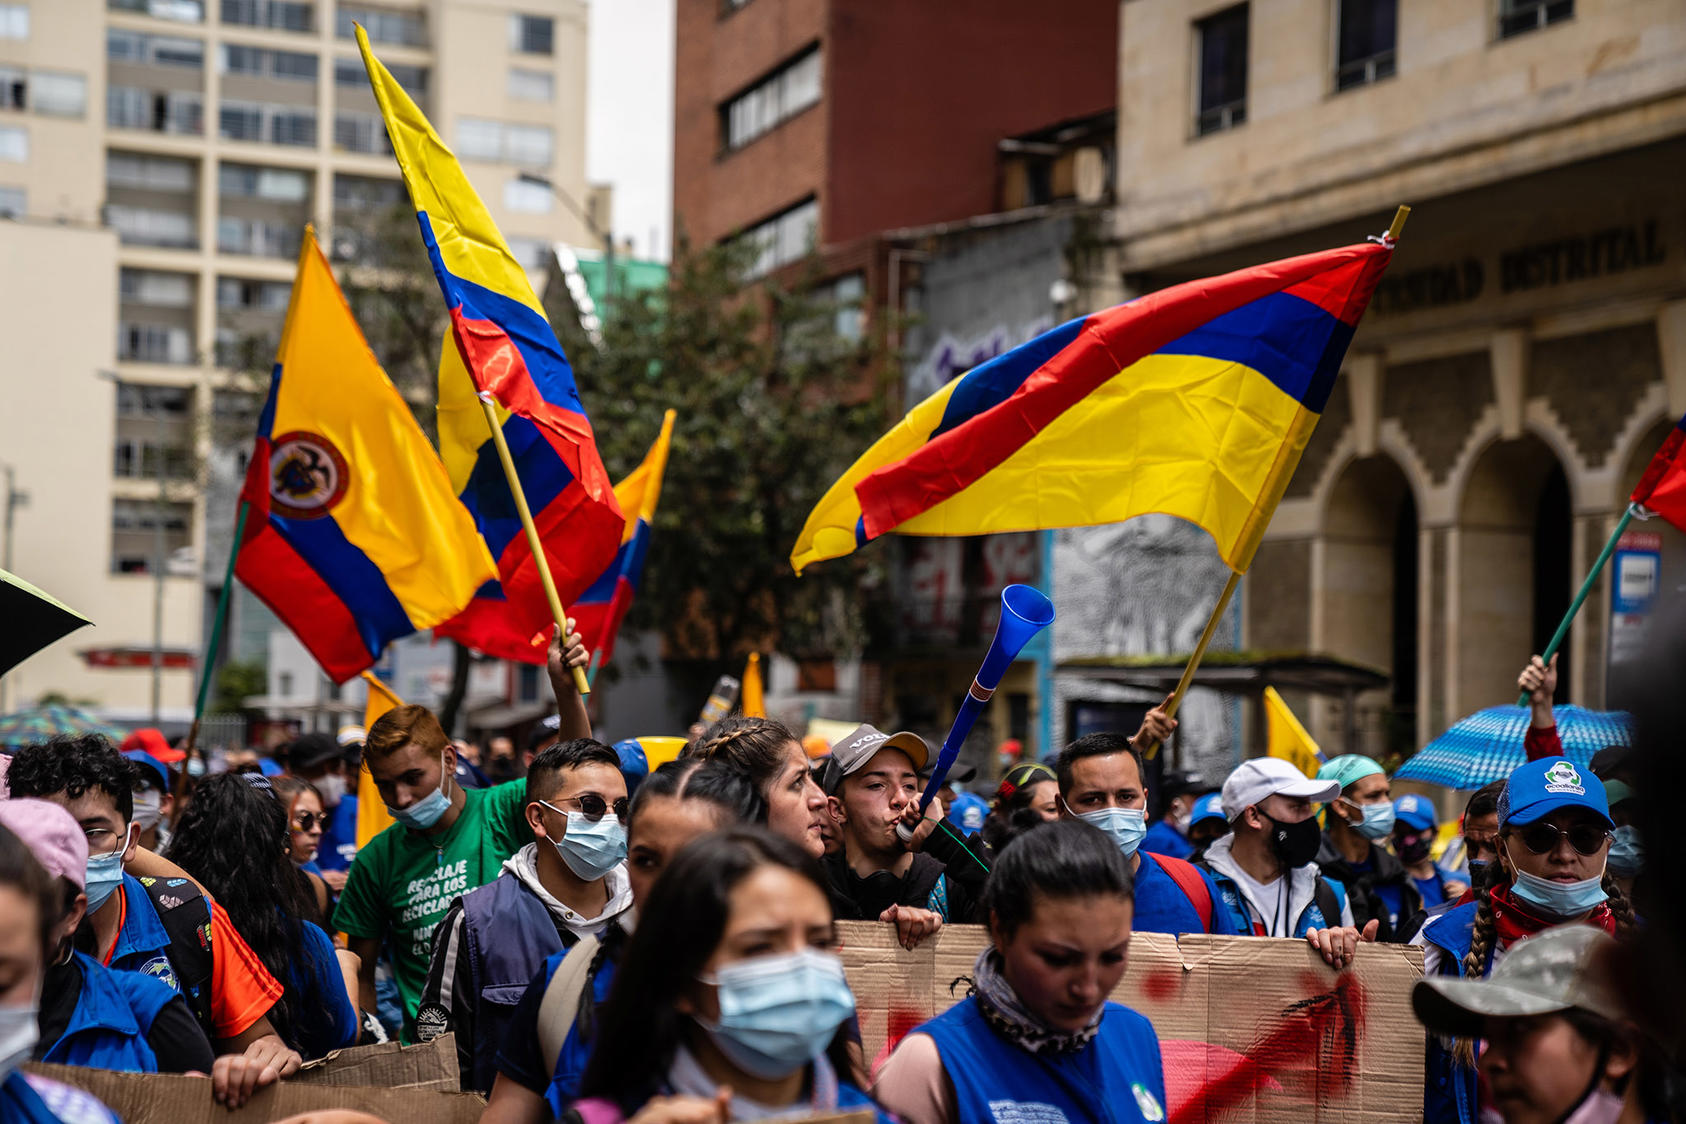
<point x="755" y="747"/>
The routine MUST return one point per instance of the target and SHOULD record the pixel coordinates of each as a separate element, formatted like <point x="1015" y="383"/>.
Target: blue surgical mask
<point x="1124" y="826"/>
<point x="590" y="848"/>
<point x="778" y="1013"/>
<point x="1559" y="899"/>
<point x="1627" y="852"/>
<point x="105" y="874"/>
<point x="1377" y="823"/>
<point x="425" y="812"/>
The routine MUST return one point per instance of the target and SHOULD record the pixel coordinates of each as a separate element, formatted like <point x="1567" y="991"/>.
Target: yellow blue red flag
<point x="599" y="610"/>
<point x="1195" y="401"/>
<point x="503" y="347"/>
<point x="355" y="536"/>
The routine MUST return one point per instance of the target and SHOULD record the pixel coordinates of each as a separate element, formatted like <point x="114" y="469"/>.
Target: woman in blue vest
<point x="1038" y="1028"/>
<point x="29" y="899"/>
<point x="730" y="1003"/>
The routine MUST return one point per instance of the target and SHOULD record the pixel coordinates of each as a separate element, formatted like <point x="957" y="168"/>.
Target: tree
<point x="236" y="681"/>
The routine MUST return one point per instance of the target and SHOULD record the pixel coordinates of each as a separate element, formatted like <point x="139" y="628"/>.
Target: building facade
<point x="1522" y="359"/>
<point x="206" y="134"/>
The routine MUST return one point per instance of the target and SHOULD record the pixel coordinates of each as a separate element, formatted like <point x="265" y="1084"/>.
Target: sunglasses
<point x="307" y="821"/>
<point x="1542" y="838"/>
<point x="593" y="806"/>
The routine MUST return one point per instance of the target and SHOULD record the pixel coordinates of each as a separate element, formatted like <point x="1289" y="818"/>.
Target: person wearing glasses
<point x="306" y="821"/>
<point x="1554" y="832"/>
<point x="571" y="882"/>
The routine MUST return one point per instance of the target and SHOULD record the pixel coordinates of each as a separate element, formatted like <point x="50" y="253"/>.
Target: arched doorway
<point x="1369" y="603"/>
<point x="1514" y="571"/>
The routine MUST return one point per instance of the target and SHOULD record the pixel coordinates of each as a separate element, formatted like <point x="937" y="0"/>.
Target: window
<point x="165" y="403"/>
<point x="184" y="11"/>
<point x="278" y="124"/>
<point x="479" y="140"/>
<point x="1517" y="17"/>
<point x="258" y="238"/>
<point x="283" y="15"/>
<point x="263" y="296"/>
<point x="350" y="72"/>
<point x="60" y="95"/>
<point x="532" y="85"/>
<point x="784" y="238"/>
<point x="532" y="35"/>
<point x="847" y="293"/>
<point x="148" y="173"/>
<point x="532" y="253"/>
<point x="384" y="25"/>
<point x="14" y="88"/>
<point x="146" y="226"/>
<point x="364" y="193"/>
<point x="279" y="185"/>
<point x="161" y="111"/>
<point x="286" y="65"/>
<point x="159" y="50"/>
<point x="361" y="132"/>
<point x="14" y="201"/>
<point x="1365" y="41"/>
<point x="527" y="683"/>
<point x="14" y="21"/>
<point x="151" y="287"/>
<point x="153" y="343"/>
<point x="134" y="527"/>
<point x="528" y="144"/>
<point x="1221" y="53"/>
<point x="528" y="198"/>
<point x="781" y="95"/>
<point x="14" y="144"/>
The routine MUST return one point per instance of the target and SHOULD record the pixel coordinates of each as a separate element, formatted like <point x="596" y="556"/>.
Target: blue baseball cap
<point x="1539" y="788"/>
<point x="635" y="765"/>
<point x="1415" y="812"/>
<point x="150" y="763"/>
<point x="968" y="811"/>
<point x="1208" y="807"/>
<point x="269" y="767"/>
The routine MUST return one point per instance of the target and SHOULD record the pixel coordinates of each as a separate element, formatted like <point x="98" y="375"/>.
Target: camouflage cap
<point x="1551" y="971"/>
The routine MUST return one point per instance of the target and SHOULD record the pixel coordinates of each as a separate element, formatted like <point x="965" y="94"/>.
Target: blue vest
<point x="28" y="1099"/>
<point x="576" y="1051"/>
<point x="113" y="1015"/>
<point x="143" y="944"/>
<point x="1163" y="838"/>
<point x="1310" y="918"/>
<point x="1449" y="1087"/>
<point x="509" y="933"/>
<point x="1119" y="1078"/>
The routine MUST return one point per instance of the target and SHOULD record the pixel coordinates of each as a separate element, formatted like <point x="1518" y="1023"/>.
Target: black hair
<point x="234" y="840"/>
<point x="20" y="870"/>
<point x="74" y="764"/>
<point x="546" y="769"/>
<point x="679" y="927"/>
<point x="1064" y="859"/>
<point x="1484" y="801"/>
<point x="692" y="778"/>
<point x="1096" y="745"/>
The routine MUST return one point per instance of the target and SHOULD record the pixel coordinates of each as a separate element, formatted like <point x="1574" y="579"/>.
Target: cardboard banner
<point x="428" y="1067"/>
<point x="1252" y="1029"/>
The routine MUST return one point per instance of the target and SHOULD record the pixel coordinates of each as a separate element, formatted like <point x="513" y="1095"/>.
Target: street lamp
<point x="580" y="213"/>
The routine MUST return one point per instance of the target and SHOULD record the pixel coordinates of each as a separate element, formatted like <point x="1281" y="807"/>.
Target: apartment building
<point x="204" y="135"/>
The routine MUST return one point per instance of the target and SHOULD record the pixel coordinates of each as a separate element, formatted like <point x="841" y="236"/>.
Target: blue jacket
<point x="1449" y="1086"/>
<point x="1163" y="838"/>
<point x="143" y="944"/>
<point x="112" y="1018"/>
<point x="338" y="845"/>
<point x="508" y="933"/>
<point x="28" y="1099"/>
<point x="576" y="1052"/>
<point x="325" y="1020"/>
<point x="1087" y="1087"/>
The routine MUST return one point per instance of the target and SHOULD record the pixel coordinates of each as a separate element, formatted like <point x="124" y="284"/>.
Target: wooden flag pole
<point x="556" y="610"/>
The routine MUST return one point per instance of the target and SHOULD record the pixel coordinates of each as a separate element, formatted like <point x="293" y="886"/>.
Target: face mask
<point x="18" y="1034"/>
<point x="777" y="1013"/>
<point x="332" y="788"/>
<point x="591" y="850"/>
<point x="1598" y="1107"/>
<point x="1559" y="899"/>
<point x="1377" y="823"/>
<point x="105" y="874"/>
<point x="148" y="810"/>
<point x="425" y="812"/>
<point x="1294" y="844"/>
<point x="1413" y="852"/>
<point x="1124" y="826"/>
<point x="1478" y="873"/>
<point x="1627" y="852"/>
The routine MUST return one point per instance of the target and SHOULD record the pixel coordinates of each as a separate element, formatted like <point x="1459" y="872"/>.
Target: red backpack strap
<point x="1187" y="877"/>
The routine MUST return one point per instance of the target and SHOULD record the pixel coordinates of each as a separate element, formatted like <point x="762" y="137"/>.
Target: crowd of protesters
<point x="606" y="943"/>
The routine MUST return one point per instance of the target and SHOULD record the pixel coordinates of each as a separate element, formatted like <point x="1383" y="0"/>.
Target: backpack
<point x="1187" y="877"/>
<point x="186" y="915"/>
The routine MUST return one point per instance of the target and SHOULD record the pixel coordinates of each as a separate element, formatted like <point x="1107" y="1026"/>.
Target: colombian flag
<point x="503" y="346"/>
<point x="599" y="610"/>
<point x="1195" y="401"/>
<point x="355" y="536"/>
<point x="1663" y="487"/>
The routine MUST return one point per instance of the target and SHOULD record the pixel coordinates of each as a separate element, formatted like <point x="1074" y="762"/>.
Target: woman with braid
<point x="1554" y="838"/>
<point x="768" y="755"/>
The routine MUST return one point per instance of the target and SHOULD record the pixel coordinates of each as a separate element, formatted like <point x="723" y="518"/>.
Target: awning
<point x="1244" y="673"/>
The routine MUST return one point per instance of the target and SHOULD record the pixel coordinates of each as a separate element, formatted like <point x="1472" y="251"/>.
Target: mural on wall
<point x="949" y="356"/>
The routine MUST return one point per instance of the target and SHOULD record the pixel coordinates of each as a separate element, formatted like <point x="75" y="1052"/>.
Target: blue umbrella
<point x="1487" y="745"/>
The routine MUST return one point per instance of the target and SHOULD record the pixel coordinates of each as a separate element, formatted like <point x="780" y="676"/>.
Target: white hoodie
<point x="1267" y="908"/>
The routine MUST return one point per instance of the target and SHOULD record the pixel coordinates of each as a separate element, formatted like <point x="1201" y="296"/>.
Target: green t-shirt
<point x="402" y="884"/>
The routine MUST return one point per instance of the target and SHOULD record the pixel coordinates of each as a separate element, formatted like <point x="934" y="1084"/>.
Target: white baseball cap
<point x="1260" y="777"/>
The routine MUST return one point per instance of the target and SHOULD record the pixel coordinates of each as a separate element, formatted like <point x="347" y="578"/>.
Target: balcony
<point x="257" y="238"/>
<point x="181" y="11"/>
<point x="151" y="226"/>
<point x="290" y="125"/>
<point x="277" y="15"/>
<point x="172" y="112"/>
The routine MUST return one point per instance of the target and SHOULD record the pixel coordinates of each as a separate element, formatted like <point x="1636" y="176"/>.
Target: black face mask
<point x="1294" y="844"/>
<point x="1477" y="873"/>
<point x="1413" y="852"/>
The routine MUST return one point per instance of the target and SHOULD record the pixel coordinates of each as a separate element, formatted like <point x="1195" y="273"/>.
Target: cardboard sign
<point x="429" y="1067"/>
<point x="1251" y="1029"/>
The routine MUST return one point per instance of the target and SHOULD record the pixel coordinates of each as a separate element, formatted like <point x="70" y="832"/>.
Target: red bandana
<point x="1513" y="920"/>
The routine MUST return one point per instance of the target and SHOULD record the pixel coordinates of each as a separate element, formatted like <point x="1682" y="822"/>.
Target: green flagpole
<point x="1585" y="590"/>
<point x="215" y="641"/>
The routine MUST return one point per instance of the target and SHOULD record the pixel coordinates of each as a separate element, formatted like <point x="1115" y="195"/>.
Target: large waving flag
<point x="502" y="346"/>
<point x="1195" y="401"/>
<point x="599" y="610"/>
<point x="355" y="536"/>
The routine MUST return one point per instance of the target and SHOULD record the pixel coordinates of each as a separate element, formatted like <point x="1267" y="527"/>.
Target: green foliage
<point x="236" y="681"/>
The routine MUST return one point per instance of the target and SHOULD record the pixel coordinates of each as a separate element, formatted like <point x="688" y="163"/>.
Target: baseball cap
<point x="155" y="743"/>
<point x="968" y="812"/>
<point x="635" y="765"/>
<point x="855" y="749"/>
<point x="1415" y="812"/>
<point x="1179" y="783"/>
<point x="960" y="774"/>
<point x="308" y="750"/>
<point x="1208" y="807"/>
<point x="52" y="835"/>
<point x="1260" y="777"/>
<point x="1550" y="971"/>
<point x="351" y="735"/>
<point x="1541" y="787"/>
<point x="544" y="731"/>
<point x="1349" y="768"/>
<point x="160" y="773"/>
<point x="1611" y="759"/>
<point x="1616" y="792"/>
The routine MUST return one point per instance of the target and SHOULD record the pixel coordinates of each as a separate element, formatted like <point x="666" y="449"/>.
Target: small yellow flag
<point x="372" y="816"/>
<point x="1286" y="738"/>
<point x="754" y="705"/>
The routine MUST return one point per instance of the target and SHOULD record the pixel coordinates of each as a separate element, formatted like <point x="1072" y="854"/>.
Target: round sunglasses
<point x="1542" y="838"/>
<point x="593" y="807"/>
<point x="307" y="821"/>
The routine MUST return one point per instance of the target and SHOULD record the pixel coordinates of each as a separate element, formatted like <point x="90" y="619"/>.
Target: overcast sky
<point x="629" y="128"/>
